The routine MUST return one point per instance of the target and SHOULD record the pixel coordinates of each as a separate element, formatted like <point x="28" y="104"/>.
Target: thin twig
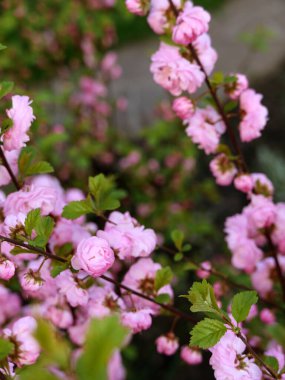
<point x="9" y="170"/>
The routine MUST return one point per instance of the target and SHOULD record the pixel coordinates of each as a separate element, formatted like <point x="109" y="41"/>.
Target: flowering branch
<point x="9" y="170"/>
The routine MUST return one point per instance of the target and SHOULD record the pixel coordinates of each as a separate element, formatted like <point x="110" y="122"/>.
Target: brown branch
<point x="51" y="256"/>
<point x="9" y="170"/>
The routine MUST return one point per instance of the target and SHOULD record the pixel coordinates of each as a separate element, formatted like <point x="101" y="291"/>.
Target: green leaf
<point x="57" y="268"/>
<point x="6" y="125"/>
<point x="177" y="238"/>
<point x="20" y="250"/>
<point x="203" y="299"/>
<point x="76" y="209"/>
<point x="36" y="371"/>
<point x="230" y="106"/>
<point x="163" y="277"/>
<point x="30" y="165"/>
<point x="207" y="333"/>
<point x="6" y="348"/>
<point x="2" y="47"/>
<point x="272" y="362"/>
<point x="163" y="298"/>
<point x="242" y="303"/>
<point x="31" y="220"/>
<point x="5" y="88"/>
<point x="104" y="336"/>
<point x="105" y="196"/>
<point x="217" y="78"/>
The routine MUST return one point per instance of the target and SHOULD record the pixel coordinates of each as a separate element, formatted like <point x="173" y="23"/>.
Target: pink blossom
<point x="94" y="255"/>
<point x="141" y="277"/>
<point x="127" y="237"/>
<point x="31" y="281"/>
<point x="66" y="231"/>
<point x="191" y="356"/>
<point x="21" y="332"/>
<point x="205" y="129"/>
<point x="103" y="301"/>
<point x="115" y="369"/>
<point x="12" y="304"/>
<point x="12" y="158"/>
<point x="261" y="212"/>
<point x="278" y="234"/>
<point x="74" y="293"/>
<point x="244" y="183"/>
<point x="138" y="7"/>
<point x="158" y="18"/>
<point x="223" y="169"/>
<point x="267" y="316"/>
<point x="30" y="198"/>
<point x="190" y="24"/>
<point x="137" y="321"/>
<point x="22" y="116"/>
<point x="205" y="270"/>
<point x="7" y="269"/>
<point x="235" y="89"/>
<point x="254" y="115"/>
<point x="183" y="107"/>
<point x="253" y="312"/>
<point x="207" y="54"/>
<point x="262" y="184"/>
<point x="110" y="65"/>
<point x="167" y="344"/>
<point x="277" y="352"/>
<point x="60" y="316"/>
<point x="228" y="363"/>
<point x="173" y="72"/>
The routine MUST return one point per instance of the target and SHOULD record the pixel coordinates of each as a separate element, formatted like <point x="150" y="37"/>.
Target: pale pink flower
<point x="191" y="356"/>
<point x="278" y="234"/>
<point x="138" y="7"/>
<point x="7" y="269"/>
<point x="205" y="270"/>
<point x="167" y="344"/>
<point x="141" y="276"/>
<point x="262" y="184"/>
<point x="103" y="301"/>
<point x="30" y="198"/>
<point x="115" y="369"/>
<point x="235" y="89"/>
<point x="158" y="18"/>
<point x="110" y="66"/>
<point x="183" y="107"/>
<point x="138" y="320"/>
<point x="275" y="350"/>
<point x="263" y="277"/>
<point x="60" y="316"/>
<point x="22" y="116"/>
<point x="21" y="332"/>
<point x="261" y="212"/>
<point x="267" y="316"/>
<point x="66" y="231"/>
<point x="190" y="24"/>
<point x="31" y="281"/>
<point x="173" y="72"/>
<point x="205" y="129"/>
<point x="12" y="304"/>
<point x="127" y="237"/>
<point x="253" y="312"/>
<point x="93" y="255"/>
<point x="207" y="54"/>
<point x="229" y="363"/>
<point x="244" y="183"/>
<point x="223" y="169"/>
<point x="254" y="115"/>
<point x="68" y="287"/>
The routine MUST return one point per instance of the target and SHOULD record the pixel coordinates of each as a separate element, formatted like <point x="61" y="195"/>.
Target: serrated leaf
<point x="163" y="298"/>
<point x="30" y="165"/>
<point x="6" y="348"/>
<point x="42" y="167"/>
<point x="203" y="299"/>
<point x="5" y="88"/>
<point x="272" y="362"/>
<point x="177" y="238"/>
<point x="242" y="303"/>
<point x="76" y="209"/>
<point x="207" y="333"/>
<point x="163" y="277"/>
<point x="57" y="268"/>
<point x="31" y="220"/>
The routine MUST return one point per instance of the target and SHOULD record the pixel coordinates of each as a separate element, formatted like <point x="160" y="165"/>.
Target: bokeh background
<point x="53" y="45"/>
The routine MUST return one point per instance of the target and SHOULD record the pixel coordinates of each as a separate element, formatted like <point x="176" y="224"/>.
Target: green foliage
<point x="57" y="268"/>
<point x="104" y="193"/>
<point x="203" y="299"/>
<point x="6" y="348"/>
<point x="5" y="88"/>
<point x="177" y="238"/>
<point x="271" y="362"/>
<point x="42" y="225"/>
<point x="103" y="337"/>
<point x="163" y="277"/>
<point x="163" y="298"/>
<point x="242" y="303"/>
<point x="78" y="208"/>
<point x="207" y="333"/>
<point x="30" y="165"/>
